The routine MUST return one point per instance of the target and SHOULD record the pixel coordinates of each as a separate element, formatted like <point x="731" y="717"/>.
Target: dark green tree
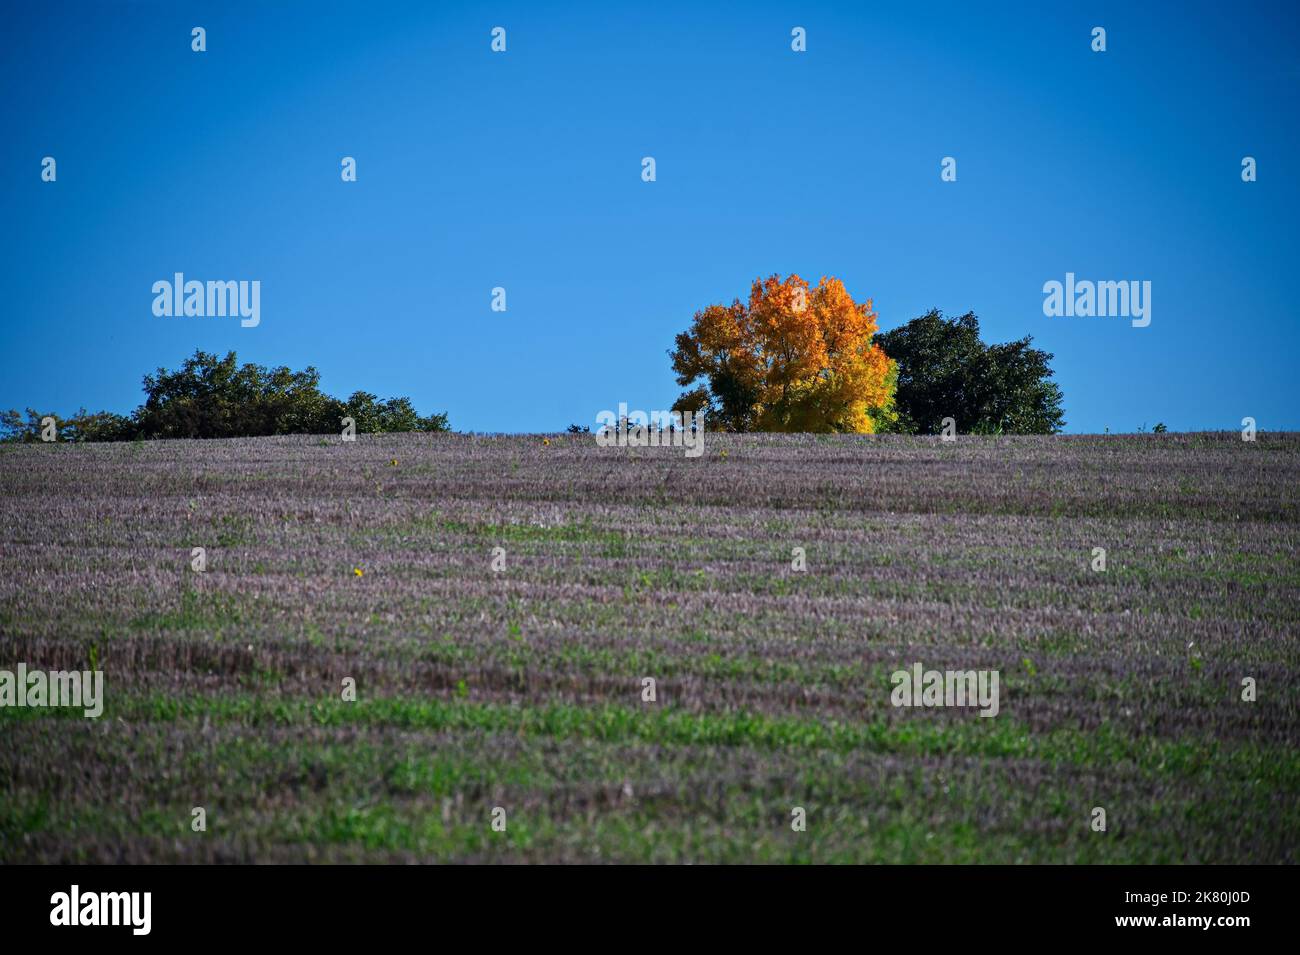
<point x="945" y="371"/>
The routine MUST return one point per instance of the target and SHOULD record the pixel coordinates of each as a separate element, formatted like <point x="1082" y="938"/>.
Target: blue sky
<point x="522" y="170"/>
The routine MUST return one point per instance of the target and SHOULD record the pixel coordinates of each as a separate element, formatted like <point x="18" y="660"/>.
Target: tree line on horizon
<point x="211" y="397"/>
<point x="792" y="358"/>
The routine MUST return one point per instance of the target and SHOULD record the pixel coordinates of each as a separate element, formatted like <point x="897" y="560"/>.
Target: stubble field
<point x="522" y="688"/>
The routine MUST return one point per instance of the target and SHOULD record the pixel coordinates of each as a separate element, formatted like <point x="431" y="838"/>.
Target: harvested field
<point x="522" y="688"/>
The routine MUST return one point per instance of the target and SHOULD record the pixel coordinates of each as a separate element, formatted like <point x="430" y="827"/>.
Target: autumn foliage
<point x="792" y="358"/>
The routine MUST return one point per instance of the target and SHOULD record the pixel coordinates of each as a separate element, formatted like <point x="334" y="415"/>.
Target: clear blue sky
<point x="522" y="170"/>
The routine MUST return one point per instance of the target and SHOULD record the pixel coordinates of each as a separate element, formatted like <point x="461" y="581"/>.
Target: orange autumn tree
<point x="794" y="358"/>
